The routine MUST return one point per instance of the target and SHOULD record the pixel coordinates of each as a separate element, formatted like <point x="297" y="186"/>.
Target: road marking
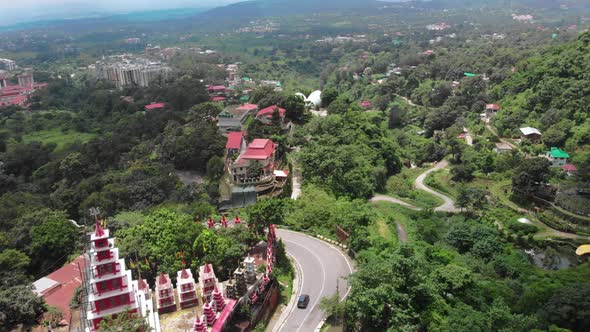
<point x="301" y="279"/>
<point x="323" y="282"/>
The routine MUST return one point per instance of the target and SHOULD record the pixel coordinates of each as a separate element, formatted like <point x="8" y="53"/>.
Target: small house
<point x="235" y="143"/>
<point x="503" y="147"/>
<point x="531" y="134"/>
<point x="492" y="109"/>
<point x="557" y="157"/>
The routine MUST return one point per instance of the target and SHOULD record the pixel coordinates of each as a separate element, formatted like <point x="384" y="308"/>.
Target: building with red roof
<point x="492" y="109"/>
<point x="18" y="95"/>
<point x="58" y="287"/>
<point x="218" y="99"/>
<point x="366" y="104"/>
<point x="155" y="106"/>
<point x="262" y="151"/>
<point x="265" y="114"/>
<point x="235" y="143"/>
<point x="218" y="90"/>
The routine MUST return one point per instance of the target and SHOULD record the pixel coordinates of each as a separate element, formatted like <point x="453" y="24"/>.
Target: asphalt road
<point x="322" y="267"/>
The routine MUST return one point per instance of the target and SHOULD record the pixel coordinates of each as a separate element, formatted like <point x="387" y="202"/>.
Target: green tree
<point x="19" y="305"/>
<point x="266" y="212"/>
<point x="529" y="176"/>
<point x="51" y="243"/>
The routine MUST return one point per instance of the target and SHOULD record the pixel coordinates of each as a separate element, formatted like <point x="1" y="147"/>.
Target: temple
<point x="109" y="287"/>
<point x="165" y="294"/>
<point x="185" y="287"/>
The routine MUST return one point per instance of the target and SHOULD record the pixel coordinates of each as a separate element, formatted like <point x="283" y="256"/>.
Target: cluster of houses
<point x="556" y="156"/>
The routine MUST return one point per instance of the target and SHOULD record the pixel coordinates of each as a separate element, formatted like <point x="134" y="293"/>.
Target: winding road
<point x="321" y="268"/>
<point x="447" y="206"/>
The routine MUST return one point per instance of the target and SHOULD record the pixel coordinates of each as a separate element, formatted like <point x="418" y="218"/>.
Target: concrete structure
<point x="137" y="71"/>
<point x="26" y="79"/>
<point x="557" y="157"/>
<point x="165" y="301"/>
<point x="7" y="64"/>
<point x="109" y="284"/>
<point x="185" y="288"/>
<point x="233" y="117"/>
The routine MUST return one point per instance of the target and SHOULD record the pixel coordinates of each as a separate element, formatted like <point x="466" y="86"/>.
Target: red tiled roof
<point x="569" y="168"/>
<point x="234" y="140"/>
<point x="267" y="112"/>
<point x="216" y="88"/>
<point x="494" y="107"/>
<point x="218" y="98"/>
<point x="155" y="106"/>
<point x="259" y="149"/>
<point x="69" y="278"/>
<point x="248" y="107"/>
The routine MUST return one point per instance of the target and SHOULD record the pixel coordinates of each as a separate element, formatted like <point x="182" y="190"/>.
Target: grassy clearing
<point x="381" y="229"/>
<point x="396" y="213"/>
<point x="60" y="138"/>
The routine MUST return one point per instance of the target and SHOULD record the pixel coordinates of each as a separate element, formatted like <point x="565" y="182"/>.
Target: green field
<point x="58" y="137"/>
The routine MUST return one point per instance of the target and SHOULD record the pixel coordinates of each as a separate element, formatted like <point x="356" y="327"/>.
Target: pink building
<point x="185" y="287"/>
<point x="165" y="294"/>
<point x="109" y="283"/>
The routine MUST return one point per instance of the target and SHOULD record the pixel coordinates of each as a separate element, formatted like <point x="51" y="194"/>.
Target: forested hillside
<point x="550" y="91"/>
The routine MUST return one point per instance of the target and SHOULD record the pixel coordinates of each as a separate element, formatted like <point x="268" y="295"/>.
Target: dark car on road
<point x="303" y="301"/>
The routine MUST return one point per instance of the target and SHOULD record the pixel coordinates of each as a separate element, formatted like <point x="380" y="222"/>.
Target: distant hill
<point x="263" y="8"/>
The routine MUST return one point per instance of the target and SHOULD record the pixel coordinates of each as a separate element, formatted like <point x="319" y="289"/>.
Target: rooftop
<point x="58" y="287"/>
<point x="530" y="131"/>
<point x="494" y="107"/>
<point x="234" y="140"/>
<point x="268" y="112"/>
<point x="259" y="149"/>
<point x="558" y="153"/>
<point x="154" y="106"/>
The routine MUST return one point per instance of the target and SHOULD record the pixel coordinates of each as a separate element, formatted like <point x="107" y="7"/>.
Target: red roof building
<point x="235" y="141"/>
<point x="58" y="287"/>
<point x="155" y="106"/>
<point x="265" y="114"/>
<point x="366" y="104"/>
<point x="218" y="99"/>
<point x="262" y="151"/>
<point x="248" y="107"/>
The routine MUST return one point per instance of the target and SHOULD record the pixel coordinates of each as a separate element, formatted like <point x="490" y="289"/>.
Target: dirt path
<point x="449" y="204"/>
<point x="383" y="198"/>
<point x="401" y="232"/>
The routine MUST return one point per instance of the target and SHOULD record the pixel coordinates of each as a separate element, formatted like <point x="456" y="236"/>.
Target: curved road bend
<point x="449" y="204"/>
<point x="322" y="266"/>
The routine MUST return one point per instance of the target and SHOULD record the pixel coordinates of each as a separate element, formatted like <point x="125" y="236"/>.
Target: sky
<point x="15" y="11"/>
